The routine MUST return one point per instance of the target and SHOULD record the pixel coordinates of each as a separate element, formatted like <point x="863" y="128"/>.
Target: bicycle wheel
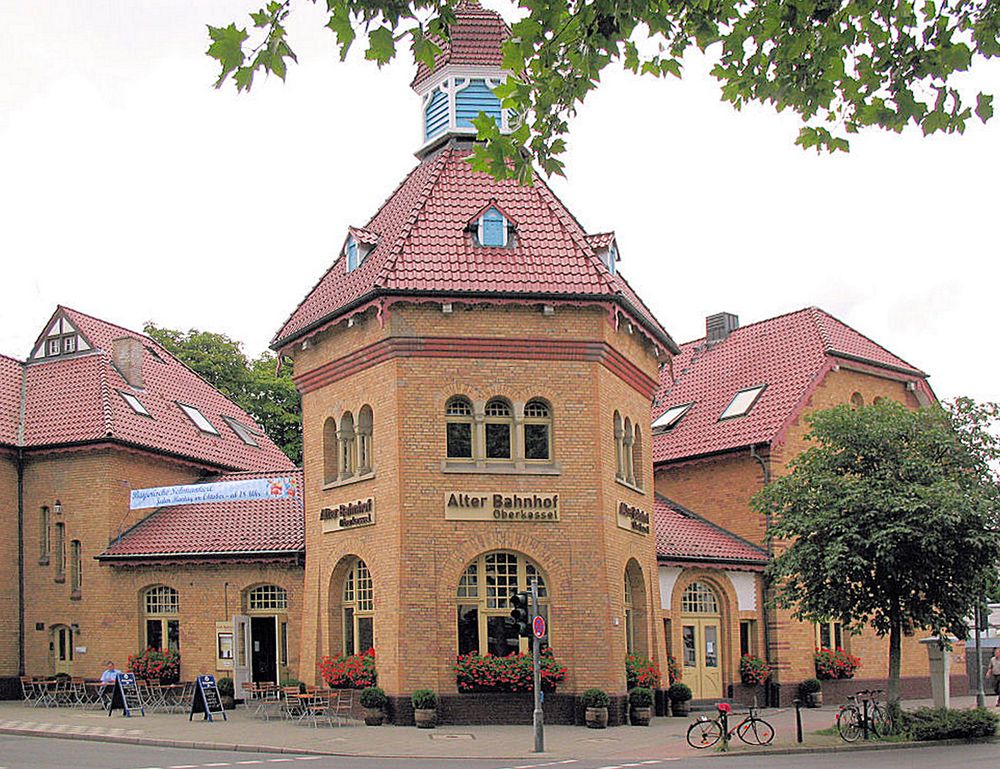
<point x="881" y="724"/>
<point x="704" y="734"/>
<point x="849" y="724"/>
<point x="755" y="731"/>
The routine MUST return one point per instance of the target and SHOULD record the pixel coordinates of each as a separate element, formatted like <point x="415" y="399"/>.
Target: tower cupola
<point x="460" y="84"/>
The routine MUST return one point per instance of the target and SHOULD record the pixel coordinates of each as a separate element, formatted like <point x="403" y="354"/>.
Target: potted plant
<point x="373" y="700"/>
<point x="640" y="700"/>
<point x="811" y="692"/>
<point x="226" y="692"/>
<point x="596" y="702"/>
<point x="425" y="704"/>
<point x="680" y="695"/>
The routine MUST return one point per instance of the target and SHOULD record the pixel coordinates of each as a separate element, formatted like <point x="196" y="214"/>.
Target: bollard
<point x="798" y="719"/>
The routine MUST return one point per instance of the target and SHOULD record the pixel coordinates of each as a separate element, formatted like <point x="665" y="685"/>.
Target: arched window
<point x="267" y="598"/>
<point x="44" y="537"/>
<point x="537" y="431"/>
<point x="484" y="602"/>
<point x="60" y="552"/>
<point x="162" y="627"/>
<point x="857" y="400"/>
<point x="345" y="439"/>
<point x="75" y="567"/>
<point x="619" y="448"/>
<point x="359" y="609"/>
<point x="365" y="440"/>
<point x="330" y="451"/>
<point x="637" y="473"/>
<point x="699" y="598"/>
<point x="499" y="427"/>
<point x="627" y="463"/>
<point x="458" y="432"/>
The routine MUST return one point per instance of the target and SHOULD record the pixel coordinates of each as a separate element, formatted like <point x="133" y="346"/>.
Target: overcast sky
<point x="131" y="190"/>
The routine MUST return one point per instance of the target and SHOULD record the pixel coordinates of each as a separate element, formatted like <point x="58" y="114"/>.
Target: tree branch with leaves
<point x="841" y="65"/>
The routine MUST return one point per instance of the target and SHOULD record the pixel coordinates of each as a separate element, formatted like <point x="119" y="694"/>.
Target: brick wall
<point x="8" y="567"/>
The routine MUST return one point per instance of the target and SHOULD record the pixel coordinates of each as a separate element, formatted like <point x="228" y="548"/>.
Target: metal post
<point x="978" y="667"/>
<point x="798" y="719"/>
<point x="538" y="717"/>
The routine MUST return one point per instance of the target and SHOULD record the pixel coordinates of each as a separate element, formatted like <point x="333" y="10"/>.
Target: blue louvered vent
<point x="436" y="115"/>
<point x="473" y="99"/>
<point x="494" y="228"/>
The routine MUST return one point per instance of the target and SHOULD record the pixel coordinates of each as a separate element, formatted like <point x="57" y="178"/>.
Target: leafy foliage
<point x="809" y="686"/>
<point x="889" y="519"/>
<point x="156" y="665"/>
<point x="841" y="65"/>
<point x="349" y="671"/>
<point x="945" y="724"/>
<point x="640" y="671"/>
<point x="254" y="385"/>
<point x="754" y="670"/>
<point x="372" y="697"/>
<point x="679" y="692"/>
<point x="424" y="699"/>
<point x="640" y="697"/>
<point x="513" y="673"/>
<point x="595" y="698"/>
<point x="835" y="663"/>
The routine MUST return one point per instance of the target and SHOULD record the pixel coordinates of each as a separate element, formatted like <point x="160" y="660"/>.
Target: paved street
<point x="48" y="753"/>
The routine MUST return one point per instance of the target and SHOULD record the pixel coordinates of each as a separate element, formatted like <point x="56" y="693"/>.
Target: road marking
<point x="278" y="760"/>
<point x="308" y="758"/>
<point x="221" y="763"/>
<point x="249" y="762"/>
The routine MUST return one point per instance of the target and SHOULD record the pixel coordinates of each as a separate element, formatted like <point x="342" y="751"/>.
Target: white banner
<point x="223" y="491"/>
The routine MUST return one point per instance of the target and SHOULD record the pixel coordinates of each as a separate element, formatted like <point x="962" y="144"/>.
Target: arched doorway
<point x="701" y="624"/>
<point x="635" y="610"/>
<point x="62" y="650"/>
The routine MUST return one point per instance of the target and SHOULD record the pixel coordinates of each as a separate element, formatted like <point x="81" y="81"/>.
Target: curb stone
<point x="851" y="748"/>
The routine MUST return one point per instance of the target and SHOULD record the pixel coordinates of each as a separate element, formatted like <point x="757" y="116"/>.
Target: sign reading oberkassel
<point x="633" y="518"/>
<point x="352" y="515"/>
<point x="493" y="506"/>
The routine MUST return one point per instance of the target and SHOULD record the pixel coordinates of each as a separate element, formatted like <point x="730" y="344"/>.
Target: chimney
<point x="719" y="326"/>
<point x="127" y="357"/>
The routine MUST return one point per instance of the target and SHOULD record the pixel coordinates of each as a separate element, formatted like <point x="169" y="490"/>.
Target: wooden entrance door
<point x="702" y="656"/>
<point x="62" y="649"/>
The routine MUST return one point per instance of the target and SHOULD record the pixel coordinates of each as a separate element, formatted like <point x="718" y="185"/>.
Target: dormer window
<point x="491" y="228"/>
<point x="669" y="418"/>
<point x="742" y="402"/>
<point x="611" y="257"/>
<point x="352" y="252"/>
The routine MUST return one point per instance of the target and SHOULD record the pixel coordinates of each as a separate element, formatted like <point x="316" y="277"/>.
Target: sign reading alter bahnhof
<point x="353" y="515"/>
<point x="493" y="506"/>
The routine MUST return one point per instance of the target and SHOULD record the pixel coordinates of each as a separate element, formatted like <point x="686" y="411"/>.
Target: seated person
<point x="108" y="679"/>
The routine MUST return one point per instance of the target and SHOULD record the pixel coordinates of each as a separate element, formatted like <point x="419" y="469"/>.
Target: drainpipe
<point x="766" y="469"/>
<point x="20" y="562"/>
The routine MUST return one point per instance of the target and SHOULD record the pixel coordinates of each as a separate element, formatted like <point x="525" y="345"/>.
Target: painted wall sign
<point x="352" y="515"/>
<point x="633" y="518"/>
<point x="492" y="506"/>
<point x="224" y="491"/>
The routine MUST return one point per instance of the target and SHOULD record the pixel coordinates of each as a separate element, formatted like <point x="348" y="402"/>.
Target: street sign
<point x="538" y="626"/>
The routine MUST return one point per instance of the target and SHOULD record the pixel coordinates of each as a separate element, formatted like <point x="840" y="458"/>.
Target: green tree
<point x="841" y="65"/>
<point x="255" y="385"/>
<point x="888" y="520"/>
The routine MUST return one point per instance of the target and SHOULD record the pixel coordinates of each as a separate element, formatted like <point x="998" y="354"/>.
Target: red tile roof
<point x="684" y="536"/>
<point x="424" y="246"/>
<point x="10" y="399"/>
<point x="475" y="39"/>
<point x="272" y="527"/>
<point x="76" y="399"/>
<point x="789" y="354"/>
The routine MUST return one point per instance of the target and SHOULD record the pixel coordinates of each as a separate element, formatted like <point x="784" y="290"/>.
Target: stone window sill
<point x="43" y="561"/>
<point x="76" y="595"/>
<point x="628" y="485"/>
<point x="349" y="481"/>
<point x="500" y="468"/>
<point x="60" y="580"/>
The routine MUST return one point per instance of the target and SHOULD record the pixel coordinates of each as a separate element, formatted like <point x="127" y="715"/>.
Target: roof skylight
<point x="742" y="402"/>
<point x="199" y="419"/>
<point x="669" y="418"/>
<point x="135" y="403"/>
<point x="246" y="433"/>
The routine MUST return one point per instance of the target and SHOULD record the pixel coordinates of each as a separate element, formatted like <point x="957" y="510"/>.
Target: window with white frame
<point x="267" y="598"/>
<point x="199" y="419"/>
<point x="537" y="431"/>
<point x="161" y="623"/>
<point x="492" y="228"/>
<point x="742" y="402"/>
<point x="359" y="609"/>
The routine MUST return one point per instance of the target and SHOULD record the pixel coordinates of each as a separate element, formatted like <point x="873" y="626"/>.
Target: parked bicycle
<point x="863" y="716"/>
<point x="706" y="732"/>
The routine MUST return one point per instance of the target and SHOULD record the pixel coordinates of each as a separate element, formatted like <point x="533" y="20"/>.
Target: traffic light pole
<point x="538" y="718"/>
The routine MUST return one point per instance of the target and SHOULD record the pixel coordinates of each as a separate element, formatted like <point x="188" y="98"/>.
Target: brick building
<point x="476" y="379"/>
<point x="95" y="412"/>
<point x="728" y="418"/>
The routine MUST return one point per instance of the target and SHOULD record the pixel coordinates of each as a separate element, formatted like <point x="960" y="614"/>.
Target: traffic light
<point x="519" y="603"/>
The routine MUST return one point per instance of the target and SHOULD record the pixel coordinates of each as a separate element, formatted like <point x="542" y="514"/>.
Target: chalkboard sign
<point x="126" y="696"/>
<point x="206" y="699"/>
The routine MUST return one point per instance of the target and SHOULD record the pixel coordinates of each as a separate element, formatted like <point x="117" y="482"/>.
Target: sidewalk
<point x="664" y="738"/>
